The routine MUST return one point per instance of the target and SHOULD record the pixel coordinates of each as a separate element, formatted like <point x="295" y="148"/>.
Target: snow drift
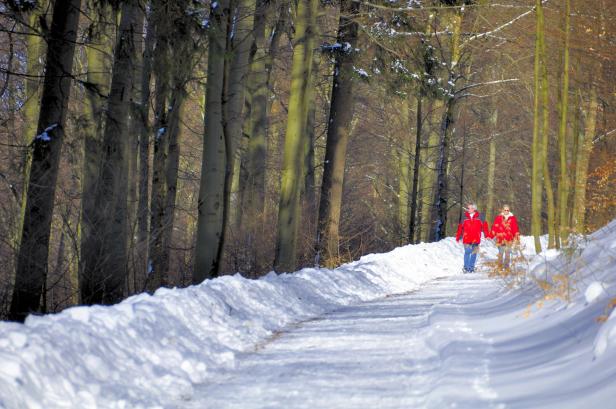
<point x="152" y="351"/>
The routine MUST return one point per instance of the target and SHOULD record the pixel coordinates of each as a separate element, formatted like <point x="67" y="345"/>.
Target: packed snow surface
<point x="396" y="330"/>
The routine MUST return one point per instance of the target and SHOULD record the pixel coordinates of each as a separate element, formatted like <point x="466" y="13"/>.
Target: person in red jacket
<point x="470" y="231"/>
<point x="505" y="231"/>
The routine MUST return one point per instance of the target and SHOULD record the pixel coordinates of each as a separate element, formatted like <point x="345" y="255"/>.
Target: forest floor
<point x="457" y="342"/>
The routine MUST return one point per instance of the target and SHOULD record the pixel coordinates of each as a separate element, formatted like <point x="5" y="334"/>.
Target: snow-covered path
<point x="333" y="339"/>
<point x="391" y="353"/>
<point x="449" y="344"/>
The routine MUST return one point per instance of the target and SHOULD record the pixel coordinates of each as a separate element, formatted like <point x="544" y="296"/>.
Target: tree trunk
<point x="256" y="129"/>
<point x="173" y="43"/>
<point x="135" y="257"/>
<point x="340" y="117"/>
<point x="105" y="272"/>
<point x="417" y="161"/>
<point x="492" y="167"/>
<point x="258" y="89"/>
<point x="552" y="239"/>
<point x="563" y="184"/>
<point x="578" y="136"/>
<point x="402" y="157"/>
<point x="537" y="168"/>
<point x="441" y="189"/>
<point x="171" y="180"/>
<point x="239" y="45"/>
<point x="211" y="188"/>
<point x="428" y="176"/>
<point x="164" y="184"/>
<point x="462" y="169"/>
<point x="293" y="166"/>
<point x="32" y="261"/>
<point x="35" y="49"/>
<point x="308" y="191"/>
<point x="98" y="54"/>
<point x="156" y="276"/>
<point x="143" y="130"/>
<point x="581" y="171"/>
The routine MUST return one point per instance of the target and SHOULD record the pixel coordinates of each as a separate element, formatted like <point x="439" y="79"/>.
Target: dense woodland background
<point x="157" y="143"/>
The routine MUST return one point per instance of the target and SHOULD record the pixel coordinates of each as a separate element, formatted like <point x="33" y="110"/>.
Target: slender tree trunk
<point x="211" y="189"/>
<point x="143" y="131"/>
<point x="340" y="117"/>
<point x="402" y="156"/>
<point x="578" y="136"/>
<point x="293" y="166"/>
<point x="309" y="194"/>
<point x="135" y="270"/>
<point x="563" y="184"/>
<point x="32" y="261"/>
<point x="537" y="168"/>
<point x="462" y="169"/>
<point x="156" y="276"/>
<point x="171" y="180"/>
<point x="416" y="163"/>
<point x="441" y="189"/>
<point x="104" y="275"/>
<point x="492" y="167"/>
<point x="581" y="171"/>
<point x="552" y="238"/>
<point x="163" y="16"/>
<point x="428" y="176"/>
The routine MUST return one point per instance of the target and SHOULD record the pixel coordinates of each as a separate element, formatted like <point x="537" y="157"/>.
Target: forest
<point x="158" y="143"/>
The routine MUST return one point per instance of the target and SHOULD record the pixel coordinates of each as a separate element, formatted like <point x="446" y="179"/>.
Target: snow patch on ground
<point x="594" y="291"/>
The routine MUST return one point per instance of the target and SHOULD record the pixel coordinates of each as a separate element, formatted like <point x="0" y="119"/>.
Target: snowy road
<point x="418" y="350"/>
<point x="458" y="342"/>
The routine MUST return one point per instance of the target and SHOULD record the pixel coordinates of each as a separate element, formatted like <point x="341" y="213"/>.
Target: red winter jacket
<point x="505" y="230"/>
<point x="470" y="229"/>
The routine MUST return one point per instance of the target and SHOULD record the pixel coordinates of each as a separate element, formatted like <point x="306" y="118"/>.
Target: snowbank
<point x="151" y="350"/>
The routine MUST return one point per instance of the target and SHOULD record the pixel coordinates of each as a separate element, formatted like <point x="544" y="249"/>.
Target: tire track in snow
<point x="414" y="350"/>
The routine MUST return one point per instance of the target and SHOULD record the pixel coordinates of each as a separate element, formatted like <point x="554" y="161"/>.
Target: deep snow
<point x="193" y="347"/>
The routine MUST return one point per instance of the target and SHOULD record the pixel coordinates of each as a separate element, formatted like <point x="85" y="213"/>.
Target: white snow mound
<point x="149" y="350"/>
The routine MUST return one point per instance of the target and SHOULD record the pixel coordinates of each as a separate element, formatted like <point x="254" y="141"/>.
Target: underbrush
<point x="558" y="278"/>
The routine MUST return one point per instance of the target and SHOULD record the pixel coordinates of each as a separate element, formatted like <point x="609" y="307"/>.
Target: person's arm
<point x="514" y="229"/>
<point x="486" y="230"/>
<point x="459" y="233"/>
<point x="492" y="230"/>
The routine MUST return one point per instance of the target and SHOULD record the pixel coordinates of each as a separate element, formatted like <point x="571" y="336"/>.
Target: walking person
<point x="470" y="231"/>
<point x="505" y="231"/>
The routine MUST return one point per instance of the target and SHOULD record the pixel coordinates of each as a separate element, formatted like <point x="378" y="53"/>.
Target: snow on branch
<point x="480" y="84"/>
<point x="501" y="27"/>
<point x="416" y="6"/>
<point x="598" y="138"/>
